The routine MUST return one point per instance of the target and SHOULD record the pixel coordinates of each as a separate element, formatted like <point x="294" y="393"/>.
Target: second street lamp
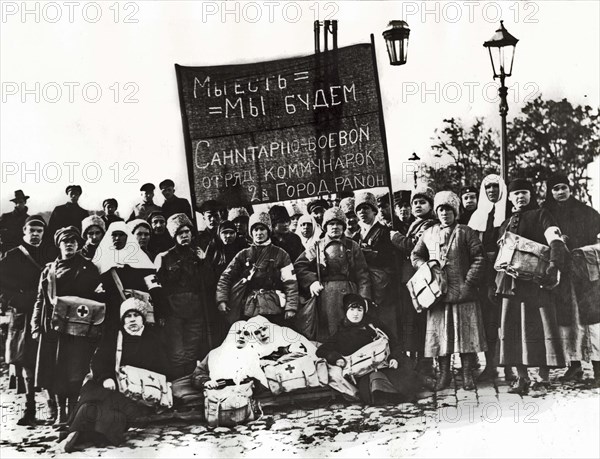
<point x="502" y="53"/>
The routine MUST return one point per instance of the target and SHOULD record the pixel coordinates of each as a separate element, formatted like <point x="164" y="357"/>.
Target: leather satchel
<point x="427" y="285"/>
<point x="296" y="373"/>
<point x="74" y="315"/>
<point x="524" y="259"/>
<point x="229" y="406"/>
<point x="368" y="358"/>
<point x="145" y="386"/>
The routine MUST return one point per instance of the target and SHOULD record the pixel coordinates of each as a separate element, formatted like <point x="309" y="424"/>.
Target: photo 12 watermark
<point x="69" y="172"/>
<point x="53" y="92"/>
<point x="69" y="12"/>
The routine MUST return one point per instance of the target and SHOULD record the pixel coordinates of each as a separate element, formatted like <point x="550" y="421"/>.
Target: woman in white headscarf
<point x="308" y="230"/>
<point x="126" y="271"/>
<point x="270" y="339"/>
<point x="234" y="362"/>
<point x="486" y="220"/>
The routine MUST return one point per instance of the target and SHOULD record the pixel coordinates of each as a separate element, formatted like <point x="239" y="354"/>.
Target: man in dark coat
<point x="402" y="210"/>
<point x="69" y="214"/>
<point x="579" y="224"/>
<point x="173" y="204"/>
<point x="376" y="245"/>
<point x="20" y="272"/>
<point x="282" y="236"/>
<point x="189" y="285"/>
<point x="143" y="209"/>
<point x="110" y="207"/>
<point x="160" y="240"/>
<point x="11" y="223"/>
<point x="208" y="238"/>
<point x="468" y="203"/>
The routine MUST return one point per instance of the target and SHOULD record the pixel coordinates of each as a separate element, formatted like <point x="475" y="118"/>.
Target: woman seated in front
<point x="232" y="363"/>
<point x="396" y="383"/>
<point x="103" y="414"/>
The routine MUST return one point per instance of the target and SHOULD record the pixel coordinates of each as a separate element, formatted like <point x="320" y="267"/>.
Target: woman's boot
<point x="468" y="363"/>
<point x="444" y="378"/>
<point x="596" y="367"/>
<point x="61" y="404"/>
<point x="573" y="373"/>
<point x="521" y="384"/>
<point x="489" y="373"/>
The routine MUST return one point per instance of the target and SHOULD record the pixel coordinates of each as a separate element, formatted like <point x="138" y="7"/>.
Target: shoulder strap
<point x="30" y="258"/>
<point x="119" y="351"/>
<point x="52" y="282"/>
<point x="118" y="283"/>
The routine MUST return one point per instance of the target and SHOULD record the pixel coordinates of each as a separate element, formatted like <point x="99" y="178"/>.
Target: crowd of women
<point x="220" y="303"/>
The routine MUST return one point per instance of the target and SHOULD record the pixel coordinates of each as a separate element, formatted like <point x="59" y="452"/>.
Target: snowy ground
<point x="562" y="421"/>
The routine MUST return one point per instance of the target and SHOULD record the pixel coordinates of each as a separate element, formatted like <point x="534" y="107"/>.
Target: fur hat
<point x="279" y="214"/>
<point x="92" y="220"/>
<point x="447" y="198"/>
<point x="423" y="192"/>
<point x="347" y="205"/>
<point x="176" y="222"/>
<point x="262" y="218"/>
<point x="134" y="304"/>
<point x="365" y="198"/>
<point x="134" y="224"/>
<point x="335" y="213"/>
<point x="237" y="212"/>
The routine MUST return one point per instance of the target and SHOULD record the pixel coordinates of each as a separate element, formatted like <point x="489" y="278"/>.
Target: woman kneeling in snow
<point x="397" y="383"/>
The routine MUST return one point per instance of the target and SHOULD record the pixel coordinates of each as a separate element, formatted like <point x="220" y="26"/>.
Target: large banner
<point x="285" y="129"/>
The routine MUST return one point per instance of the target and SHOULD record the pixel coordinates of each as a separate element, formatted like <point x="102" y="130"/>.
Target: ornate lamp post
<point x="502" y="53"/>
<point x="396" y="39"/>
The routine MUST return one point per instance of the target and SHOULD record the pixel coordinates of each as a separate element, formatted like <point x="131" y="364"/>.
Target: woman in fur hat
<point x="63" y="360"/>
<point x="330" y="268"/>
<point x="580" y="330"/>
<point x="529" y="333"/>
<point x="396" y="383"/>
<point x="455" y="324"/>
<point x="269" y="287"/>
<point x="92" y="231"/>
<point x="103" y="414"/>
<point x="413" y="325"/>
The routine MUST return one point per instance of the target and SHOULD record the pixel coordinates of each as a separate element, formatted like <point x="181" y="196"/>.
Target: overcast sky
<point x="131" y="132"/>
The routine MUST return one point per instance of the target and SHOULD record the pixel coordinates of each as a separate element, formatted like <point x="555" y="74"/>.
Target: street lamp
<point x="414" y="158"/>
<point x="396" y="40"/>
<point x="502" y="53"/>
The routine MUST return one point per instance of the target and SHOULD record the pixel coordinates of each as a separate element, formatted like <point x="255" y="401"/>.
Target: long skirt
<point x="454" y="327"/>
<point x="330" y="307"/>
<point x="580" y="341"/>
<point x="529" y="333"/>
<point x="412" y="326"/>
<point x="391" y="385"/>
<point x="105" y="412"/>
<point x="63" y="362"/>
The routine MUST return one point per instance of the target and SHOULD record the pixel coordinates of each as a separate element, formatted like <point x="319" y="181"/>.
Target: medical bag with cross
<point x="74" y="315"/>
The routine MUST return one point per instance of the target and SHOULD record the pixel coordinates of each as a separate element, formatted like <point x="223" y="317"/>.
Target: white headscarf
<point x="279" y="337"/>
<point x="230" y="362"/>
<point x="479" y="218"/>
<point x="108" y="257"/>
<point x="316" y="235"/>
